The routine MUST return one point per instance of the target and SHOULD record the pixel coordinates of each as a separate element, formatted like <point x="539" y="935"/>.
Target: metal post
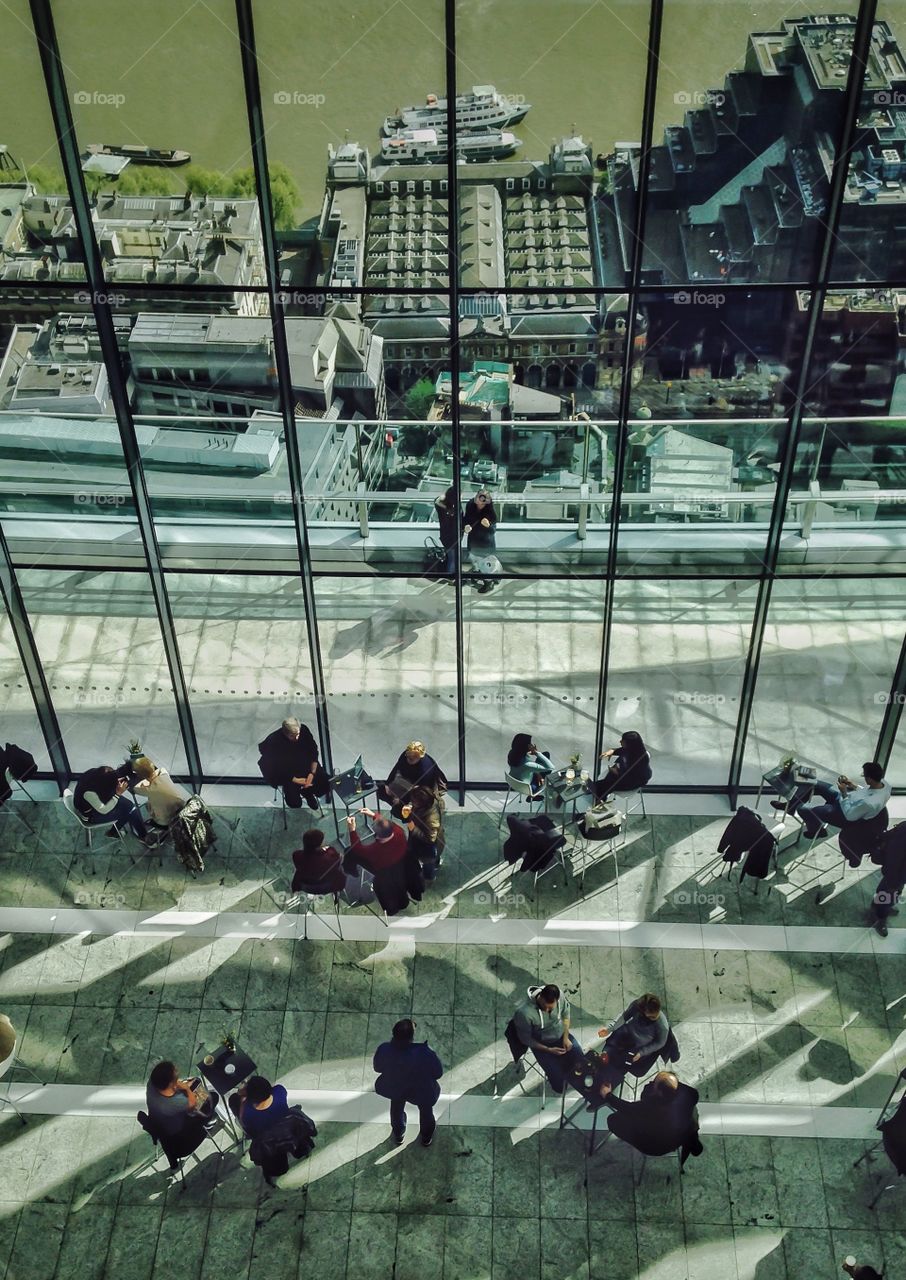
<point x="119" y="394"/>
<point x="281" y="361"/>
<point x="839" y="173"/>
<point x="455" y="365"/>
<point x="894" y="711"/>
<point x="650" y="100"/>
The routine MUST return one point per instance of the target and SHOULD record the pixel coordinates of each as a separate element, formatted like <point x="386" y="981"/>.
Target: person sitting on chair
<point x="526" y="763"/>
<point x="845" y="803"/>
<point x="100" y="797"/>
<point x="664" y="1119"/>
<point x="289" y="759"/>
<point x="634" y="1040"/>
<point x="319" y="867"/>
<point x="414" y="768"/>
<point x="628" y="767"/>
<point x="165" y="797"/>
<point x="542" y="1025"/>
<point x="861" y="1272"/>
<point x="257" y="1105"/>
<point x="174" y="1107"/>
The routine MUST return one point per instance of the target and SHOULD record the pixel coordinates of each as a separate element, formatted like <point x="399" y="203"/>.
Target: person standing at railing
<point x="480" y="528"/>
<point x="445" y="508"/>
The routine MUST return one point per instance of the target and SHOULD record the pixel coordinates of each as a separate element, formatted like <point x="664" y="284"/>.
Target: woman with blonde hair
<point x="165" y="797"/>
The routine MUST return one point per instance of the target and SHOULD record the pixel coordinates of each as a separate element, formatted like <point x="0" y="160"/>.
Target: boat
<point x="427" y="146"/>
<point x="139" y="154"/>
<point x="483" y="108"/>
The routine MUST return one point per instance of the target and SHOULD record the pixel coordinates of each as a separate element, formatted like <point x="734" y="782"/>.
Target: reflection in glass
<point x="532" y="660"/>
<point x="100" y="646"/>
<point x="389" y="654"/>
<point x="244" y="653"/>
<point x="830" y="650"/>
<point x="678" y="654"/>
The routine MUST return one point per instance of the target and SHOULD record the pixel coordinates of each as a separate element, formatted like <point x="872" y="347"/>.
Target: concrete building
<point x="154" y="241"/>
<point x="225" y="365"/>
<point x="738" y="191"/>
<point x="522" y="225"/>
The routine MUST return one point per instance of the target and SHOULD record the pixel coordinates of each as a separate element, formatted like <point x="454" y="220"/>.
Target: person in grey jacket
<point x="636" y="1038"/>
<point x="542" y="1024"/>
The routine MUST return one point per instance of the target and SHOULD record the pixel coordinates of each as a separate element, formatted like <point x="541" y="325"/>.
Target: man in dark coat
<point x="664" y="1118"/>
<point x="289" y="759"/>
<point x="408" y="1072"/>
<point x="893" y="878"/>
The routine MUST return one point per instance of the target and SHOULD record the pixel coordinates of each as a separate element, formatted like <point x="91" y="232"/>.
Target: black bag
<point x="435" y="558"/>
<point x="21" y="763"/>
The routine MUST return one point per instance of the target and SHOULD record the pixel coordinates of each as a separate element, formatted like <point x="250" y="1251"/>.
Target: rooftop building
<point x="157" y="241"/>
<point x="738" y="191"/>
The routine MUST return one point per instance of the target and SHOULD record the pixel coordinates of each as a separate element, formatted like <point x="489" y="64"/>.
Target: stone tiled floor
<point x="764" y="1026"/>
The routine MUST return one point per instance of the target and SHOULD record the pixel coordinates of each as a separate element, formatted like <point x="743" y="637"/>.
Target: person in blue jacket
<point x="408" y="1072"/>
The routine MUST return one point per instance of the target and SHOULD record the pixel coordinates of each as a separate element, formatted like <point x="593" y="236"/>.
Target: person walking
<point x="408" y="1073"/>
<point x="893" y="878"/>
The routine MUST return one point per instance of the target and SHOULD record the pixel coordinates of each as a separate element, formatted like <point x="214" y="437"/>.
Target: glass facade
<point x="260" y="310"/>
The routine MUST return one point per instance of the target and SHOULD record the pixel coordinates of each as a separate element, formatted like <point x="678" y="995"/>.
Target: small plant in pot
<point x="135" y="750"/>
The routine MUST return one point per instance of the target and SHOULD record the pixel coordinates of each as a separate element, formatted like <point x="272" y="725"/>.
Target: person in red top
<point x="319" y="867"/>
<point x="386" y="849"/>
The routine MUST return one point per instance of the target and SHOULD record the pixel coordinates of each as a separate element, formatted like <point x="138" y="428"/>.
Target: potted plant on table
<point x="135" y="750"/>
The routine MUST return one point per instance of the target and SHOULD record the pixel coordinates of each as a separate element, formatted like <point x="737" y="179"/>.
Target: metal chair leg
<point x="6" y="1101"/>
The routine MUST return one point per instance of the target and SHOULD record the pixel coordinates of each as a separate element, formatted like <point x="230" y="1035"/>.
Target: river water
<point x="167" y="72"/>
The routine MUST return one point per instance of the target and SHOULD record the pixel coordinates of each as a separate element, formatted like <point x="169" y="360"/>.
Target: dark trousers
<point x="293" y="793"/>
<point x="886" y="899"/>
<point x="426" y="1122"/>
<point x="557" y="1066"/>
<point x="125" y="813"/>
<point x="814" y="817"/>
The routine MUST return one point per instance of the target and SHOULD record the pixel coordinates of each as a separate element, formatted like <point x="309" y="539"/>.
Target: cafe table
<point x="225" y="1070"/>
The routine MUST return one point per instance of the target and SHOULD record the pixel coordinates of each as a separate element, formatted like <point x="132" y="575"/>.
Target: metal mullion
<point x="893" y="713"/>
<point x="23" y="635"/>
<point x="455" y="366"/>
<point x="48" y="49"/>
<point x="247" y="50"/>
<point x="818" y="293"/>
<point x="655" y="22"/>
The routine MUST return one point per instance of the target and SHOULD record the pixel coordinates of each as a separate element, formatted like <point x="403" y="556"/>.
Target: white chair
<point x="7" y="1066"/>
<point x="630" y="802"/>
<point x="88" y="827"/>
<point x="514" y="786"/>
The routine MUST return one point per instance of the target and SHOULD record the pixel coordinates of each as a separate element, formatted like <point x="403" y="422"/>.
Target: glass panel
<point x="183" y="210"/>
<point x="29" y="158"/>
<point x="60" y="451"/>
<point x="745" y="135"/>
<point x="540" y="114"/>
<point x="850" y="474"/>
<point x="320" y="94"/>
<point x="389" y="654"/>
<point x="98" y="637"/>
<point x="245" y="656"/>
<point x="709" y="401"/>
<point x="20" y="724"/>
<point x="678" y="655"/>
<point x="869" y="243"/>
<point x="830" y="649"/>
<point x="532" y="663"/>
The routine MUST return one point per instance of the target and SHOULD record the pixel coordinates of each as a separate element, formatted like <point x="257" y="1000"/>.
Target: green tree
<point x="420" y="397"/>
